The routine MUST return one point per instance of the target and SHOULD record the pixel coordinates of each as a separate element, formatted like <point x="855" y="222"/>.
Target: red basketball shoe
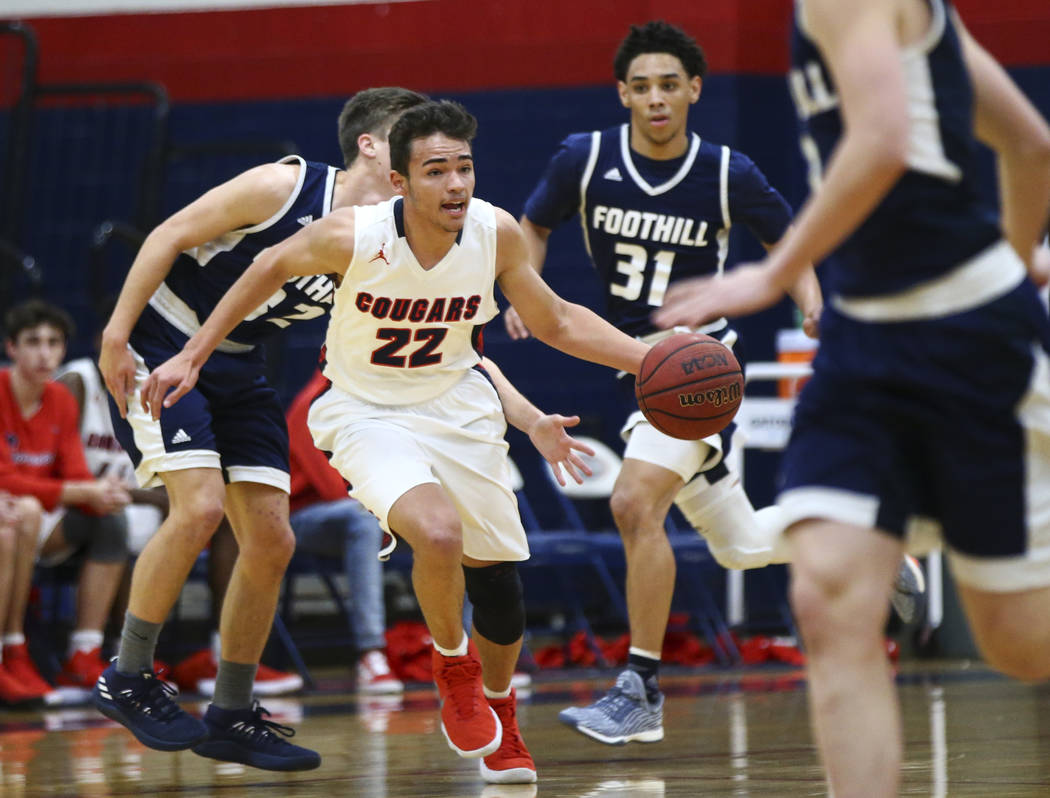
<point x="12" y="692"/>
<point x="82" y="669"/>
<point x="469" y="724"/>
<point x="511" y="763"/>
<point x="20" y="665"/>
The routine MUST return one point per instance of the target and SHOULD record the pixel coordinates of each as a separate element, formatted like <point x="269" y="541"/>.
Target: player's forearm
<point x="535" y="242"/>
<point x="1024" y="182"/>
<point x="806" y="294"/>
<point x="151" y="266"/>
<point x="520" y="412"/>
<point x="581" y="333"/>
<point x="255" y="286"/>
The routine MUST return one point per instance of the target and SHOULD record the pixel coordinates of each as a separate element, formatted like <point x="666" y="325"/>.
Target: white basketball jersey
<point x="400" y="334"/>
<point x="103" y="453"/>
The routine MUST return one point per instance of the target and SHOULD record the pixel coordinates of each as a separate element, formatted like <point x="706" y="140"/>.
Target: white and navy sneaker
<point x="245" y="736"/>
<point x="624" y="714"/>
<point x="143" y="704"/>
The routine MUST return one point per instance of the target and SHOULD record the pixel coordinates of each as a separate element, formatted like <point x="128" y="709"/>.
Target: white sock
<point x="496" y="694"/>
<point x="641" y="652"/>
<point x="216" y="646"/>
<point x="85" y="640"/>
<point x="16" y="639"/>
<point x="458" y="651"/>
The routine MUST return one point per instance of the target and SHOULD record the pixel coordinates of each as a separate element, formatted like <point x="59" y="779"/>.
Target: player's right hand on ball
<point x="516" y="328"/>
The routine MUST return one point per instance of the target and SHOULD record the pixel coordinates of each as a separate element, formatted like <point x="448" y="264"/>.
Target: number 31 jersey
<point x="648" y="223"/>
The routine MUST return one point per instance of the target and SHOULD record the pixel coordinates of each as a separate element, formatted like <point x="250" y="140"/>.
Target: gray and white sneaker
<point x="622" y="715"/>
<point x="909" y="590"/>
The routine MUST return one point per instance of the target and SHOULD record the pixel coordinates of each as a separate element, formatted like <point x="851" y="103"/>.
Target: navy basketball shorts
<point x="231" y="420"/>
<point x="941" y="423"/>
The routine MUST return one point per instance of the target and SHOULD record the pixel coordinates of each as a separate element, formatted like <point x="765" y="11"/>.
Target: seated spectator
<point x="41" y="456"/>
<point x="326" y="521"/>
<point x="19" y="522"/>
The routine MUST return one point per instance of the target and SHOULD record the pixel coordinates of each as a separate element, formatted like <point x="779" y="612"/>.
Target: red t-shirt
<point x="313" y="477"/>
<point x="39" y="453"/>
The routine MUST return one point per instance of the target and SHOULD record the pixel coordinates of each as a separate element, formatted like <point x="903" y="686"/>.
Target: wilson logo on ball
<point x="723" y="395"/>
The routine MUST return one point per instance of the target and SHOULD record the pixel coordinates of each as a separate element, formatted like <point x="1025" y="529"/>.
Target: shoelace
<point x="258" y="729"/>
<point x="512" y="742"/>
<point x="460" y="680"/>
<point x="153" y="697"/>
<point x="616" y="701"/>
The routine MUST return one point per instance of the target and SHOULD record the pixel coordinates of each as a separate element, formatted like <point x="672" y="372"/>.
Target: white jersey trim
<point x="181" y="316"/>
<point x="687" y="164"/>
<point x="291" y="197"/>
<point x="984" y="277"/>
<point x="723" y="195"/>
<point x="585" y="182"/>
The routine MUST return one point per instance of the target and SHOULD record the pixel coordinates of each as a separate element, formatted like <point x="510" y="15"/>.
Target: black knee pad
<point x="499" y="605"/>
<point x="103" y="538"/>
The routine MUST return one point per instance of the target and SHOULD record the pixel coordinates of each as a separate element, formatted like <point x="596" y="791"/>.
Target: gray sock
<point x="138" y="642"/>
<point x="233" y="685"/>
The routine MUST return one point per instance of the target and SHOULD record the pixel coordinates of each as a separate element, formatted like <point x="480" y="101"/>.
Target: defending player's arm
<point x="1007" y="122"/>
<point x="250" y="198"/>
<point x="323" y="247"/>
<point x="546" y="431"/>
<point x="569" y="327"/>
<point x="808" y="298"/>
<point x="859" y="39"/>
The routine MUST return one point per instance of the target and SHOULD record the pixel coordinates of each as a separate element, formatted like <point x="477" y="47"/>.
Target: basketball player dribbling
<point x="409" y="421"/>
<point x="931" y="391"/>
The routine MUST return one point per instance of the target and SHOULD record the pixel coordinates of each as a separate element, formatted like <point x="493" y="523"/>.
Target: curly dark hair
<point x="443" y="116"/>
<point x="33" y="313"/>
<point x="372" y="111"/>
<point x="658" y="36"/>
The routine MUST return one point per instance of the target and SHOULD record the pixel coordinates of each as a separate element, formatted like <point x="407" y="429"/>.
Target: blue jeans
<point x="346" y="529"/>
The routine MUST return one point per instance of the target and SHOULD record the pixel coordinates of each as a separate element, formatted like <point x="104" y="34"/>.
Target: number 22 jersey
<point x="647" y="223"/>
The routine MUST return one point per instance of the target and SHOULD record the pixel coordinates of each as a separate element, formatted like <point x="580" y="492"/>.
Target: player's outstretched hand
<point x="118" y="371"/>
<point x="516" y="328"/>
<point x="177" y="374"/>
<point x="559" y="448"/>
<point x="690" y="303"/>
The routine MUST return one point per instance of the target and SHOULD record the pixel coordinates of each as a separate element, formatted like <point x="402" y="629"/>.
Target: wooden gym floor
<point x="734" y="733"/>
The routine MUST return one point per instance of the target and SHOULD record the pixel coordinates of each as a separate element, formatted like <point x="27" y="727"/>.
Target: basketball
<point x="689" y="386"/>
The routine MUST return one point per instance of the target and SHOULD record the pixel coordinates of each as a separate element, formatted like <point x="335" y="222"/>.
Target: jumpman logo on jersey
<point x="380" y="254"/>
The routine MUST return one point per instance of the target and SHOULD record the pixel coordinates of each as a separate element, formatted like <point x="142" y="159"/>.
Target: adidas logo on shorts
<point x="180" y="437"/>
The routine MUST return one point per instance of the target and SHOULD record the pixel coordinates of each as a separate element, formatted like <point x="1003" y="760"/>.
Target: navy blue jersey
<point x="200" y="277"/>
<point x="647" y="223"/>
<point x="932" y="219"/>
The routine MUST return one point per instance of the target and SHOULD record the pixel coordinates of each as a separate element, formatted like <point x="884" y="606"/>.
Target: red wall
<point x="444" y="44"/>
